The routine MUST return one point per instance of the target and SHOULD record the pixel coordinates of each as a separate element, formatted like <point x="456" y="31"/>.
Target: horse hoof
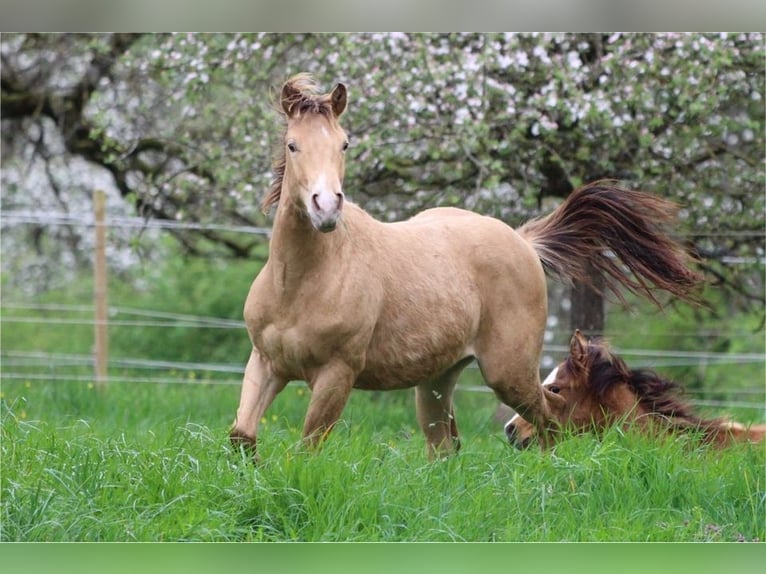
<point x="245" y="443"/>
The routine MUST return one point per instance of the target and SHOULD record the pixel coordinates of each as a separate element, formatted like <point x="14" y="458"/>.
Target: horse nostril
<point x="510" y="432"/>
<point x="322" y="203"/>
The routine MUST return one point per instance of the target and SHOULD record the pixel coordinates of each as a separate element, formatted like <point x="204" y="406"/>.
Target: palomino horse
<point x="345" y="301"/>
<point x="598" y="390"/>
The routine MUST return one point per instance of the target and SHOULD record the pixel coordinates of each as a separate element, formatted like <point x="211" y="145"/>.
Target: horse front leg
<point x="259" y="387"/>
<point x="330" y="389"/>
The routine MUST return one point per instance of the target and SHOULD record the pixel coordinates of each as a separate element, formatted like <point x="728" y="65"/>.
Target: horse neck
<point x="620" y="401"/>
<point x="296" y="248"/>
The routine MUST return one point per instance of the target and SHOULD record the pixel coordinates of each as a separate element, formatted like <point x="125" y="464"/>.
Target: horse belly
<point x="406" y="372"/>
<point x="413" y="348"/>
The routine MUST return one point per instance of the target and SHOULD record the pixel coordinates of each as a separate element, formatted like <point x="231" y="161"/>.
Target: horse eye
<point x="345" y="146"/>
<point x="554" y="389"/>
<point x="292" y="147"/>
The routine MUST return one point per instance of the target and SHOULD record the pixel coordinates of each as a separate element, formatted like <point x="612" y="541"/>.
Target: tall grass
<point x="149" y="463"/>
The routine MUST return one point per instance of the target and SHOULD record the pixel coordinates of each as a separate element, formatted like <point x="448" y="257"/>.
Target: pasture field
<point x="147" y="462"/>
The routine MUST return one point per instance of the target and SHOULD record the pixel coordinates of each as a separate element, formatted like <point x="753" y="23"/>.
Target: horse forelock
<point x="303" y="98"/>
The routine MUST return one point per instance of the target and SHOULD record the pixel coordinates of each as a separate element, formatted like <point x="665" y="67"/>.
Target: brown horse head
<point x="599" y="389"/>
<point x="309" y="169"/>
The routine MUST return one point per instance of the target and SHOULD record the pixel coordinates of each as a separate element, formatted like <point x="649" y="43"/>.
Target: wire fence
<point x="29" y="365"/>
<point x="19" y="217"/>
<point x="37" y="365"/>
<point x="54" y="218"/>
<point x="123" y="222"/>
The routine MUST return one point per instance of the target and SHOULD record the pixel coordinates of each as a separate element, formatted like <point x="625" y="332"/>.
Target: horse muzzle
<point x="513" y="436"/>
<point x="325" y="210"/>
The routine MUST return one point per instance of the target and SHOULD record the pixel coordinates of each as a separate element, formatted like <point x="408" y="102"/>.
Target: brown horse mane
<point x="660" y="396"/>
<point x="300" y="95"/>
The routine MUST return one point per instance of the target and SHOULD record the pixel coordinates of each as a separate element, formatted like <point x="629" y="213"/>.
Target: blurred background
<point x="179" y="130"/>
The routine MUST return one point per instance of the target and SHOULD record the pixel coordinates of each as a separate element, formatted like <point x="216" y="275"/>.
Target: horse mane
<point x="660" y="396"/>
<point x="300" y="95"/>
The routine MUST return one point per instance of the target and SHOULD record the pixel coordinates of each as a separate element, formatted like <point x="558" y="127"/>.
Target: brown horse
<point x="345" y="301"/>
<point x="598" y="390"/>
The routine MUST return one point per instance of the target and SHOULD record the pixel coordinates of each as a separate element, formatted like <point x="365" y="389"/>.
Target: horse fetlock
<point x="443" y="449"/>
<point x="313" y="439"/>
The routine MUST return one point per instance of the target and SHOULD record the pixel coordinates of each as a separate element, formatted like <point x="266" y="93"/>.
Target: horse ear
<point x="338" y="99"/>
<point x="578" y="349"/>
<point x="288" y="98"/>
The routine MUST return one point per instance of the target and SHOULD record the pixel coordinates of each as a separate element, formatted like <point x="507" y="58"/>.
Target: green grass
<point x="149" y="462"/>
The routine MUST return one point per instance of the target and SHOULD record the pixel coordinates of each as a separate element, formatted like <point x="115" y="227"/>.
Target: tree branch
<point x="22" y="100"/>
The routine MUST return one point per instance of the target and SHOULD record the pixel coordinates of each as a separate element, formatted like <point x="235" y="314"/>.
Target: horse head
<point x="311" y="167"/>
<point x="592" y="385"/>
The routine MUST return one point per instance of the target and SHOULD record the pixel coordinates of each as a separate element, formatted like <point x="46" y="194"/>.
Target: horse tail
<point x="619" y="234"/>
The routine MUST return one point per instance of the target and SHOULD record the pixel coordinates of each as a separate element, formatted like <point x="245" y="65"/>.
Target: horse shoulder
<point x="261" y="305"/>
<point x="260" y="297"/>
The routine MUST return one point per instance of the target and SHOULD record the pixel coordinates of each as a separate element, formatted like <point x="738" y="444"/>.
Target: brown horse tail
<point x="603" y="229"/>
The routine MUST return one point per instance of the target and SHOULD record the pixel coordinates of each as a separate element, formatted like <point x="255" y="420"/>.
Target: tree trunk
<point x="587" y="311"/>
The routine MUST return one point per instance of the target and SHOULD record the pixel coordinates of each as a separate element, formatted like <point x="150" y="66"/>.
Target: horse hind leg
<point x="515" y="379"/>
<point x="436" y="412"/>
<point x="436" y="416"/>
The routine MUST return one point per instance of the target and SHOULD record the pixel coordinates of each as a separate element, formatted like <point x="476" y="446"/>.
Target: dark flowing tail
<point x="620" y="234"/>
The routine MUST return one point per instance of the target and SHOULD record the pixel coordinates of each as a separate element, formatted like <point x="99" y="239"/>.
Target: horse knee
<point x="330" y="390"/>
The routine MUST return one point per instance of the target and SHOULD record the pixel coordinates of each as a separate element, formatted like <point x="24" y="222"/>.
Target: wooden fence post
<point x="101" y="346"/>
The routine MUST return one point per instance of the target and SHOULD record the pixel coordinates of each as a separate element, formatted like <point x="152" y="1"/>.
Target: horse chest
<point x="297" y="340"/>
